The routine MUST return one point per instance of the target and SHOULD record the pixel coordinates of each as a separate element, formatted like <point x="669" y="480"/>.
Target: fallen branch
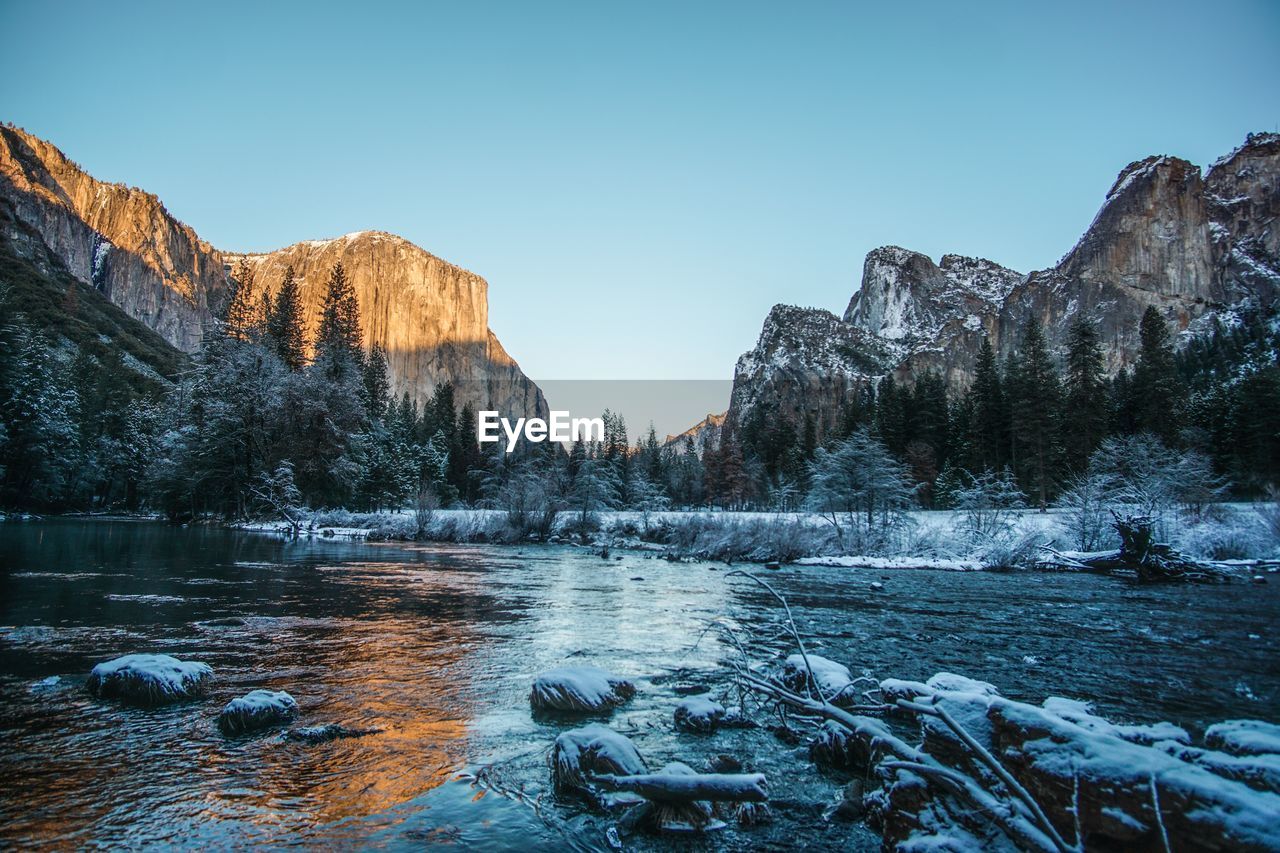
<point x="984" y="755"/>
<point x="791" y="623"/>
<point x="668" y="788"/>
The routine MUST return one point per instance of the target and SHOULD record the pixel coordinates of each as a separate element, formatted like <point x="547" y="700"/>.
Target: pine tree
<point x="891" y="416"/>
<point x="243" y="319"/>
<point x="1086" y="404"/>
<point x="1035" y="413"/>
<point x="377" y="387"/>
<point x="338" y="340"/>
<point x="285" y="324"/>
<point x="1157" y="392"/>
<point x="987" y="428"/>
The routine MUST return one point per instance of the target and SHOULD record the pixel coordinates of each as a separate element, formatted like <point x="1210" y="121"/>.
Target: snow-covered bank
<point x="1236" y="536"/>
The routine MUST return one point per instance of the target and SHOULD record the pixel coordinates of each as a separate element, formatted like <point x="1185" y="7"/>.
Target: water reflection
<point x="437" y="647"/>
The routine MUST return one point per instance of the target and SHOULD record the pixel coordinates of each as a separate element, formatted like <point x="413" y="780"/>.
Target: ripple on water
<point x="437" y="647"/>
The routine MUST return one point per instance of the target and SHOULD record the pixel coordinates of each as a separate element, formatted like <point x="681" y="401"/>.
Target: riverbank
<point x="1236" y="537"/>
<point x="438" y="646"/>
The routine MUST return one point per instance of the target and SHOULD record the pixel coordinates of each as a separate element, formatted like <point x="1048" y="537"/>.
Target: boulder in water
<point x="258" y="709"/>
<point x="594" y="750"/>
<point x="1244" y="737"/>
<point x="832" y="677"/>
<point x="579" y="689"/>
<point x="700" y="714"/>
<point x="149" y="680"/>
<point x="326" y="733"/>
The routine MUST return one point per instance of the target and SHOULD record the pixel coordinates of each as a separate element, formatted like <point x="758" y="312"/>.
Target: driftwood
<point x="1139" y="553"/>
<point x="1053" y="778"/>
<point x="717" y="787"/>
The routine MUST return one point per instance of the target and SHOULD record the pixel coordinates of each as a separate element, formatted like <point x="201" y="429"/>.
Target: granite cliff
<point x="1198" y="246"/>
<point x="430" y="316"/>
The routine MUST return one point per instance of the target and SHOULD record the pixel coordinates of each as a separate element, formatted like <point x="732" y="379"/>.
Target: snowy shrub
<point x="1269" y="512"/>
<point x="726" y="537"/>
<point x="1146" y="478"/>
<point x="425" y="504"/>
<point x="1234" y="537"/>
<point x="989" y="505"/>
<point x="1010" y="550"/>
<point x="861" y="490"/>
<point x="1086" y="506"/>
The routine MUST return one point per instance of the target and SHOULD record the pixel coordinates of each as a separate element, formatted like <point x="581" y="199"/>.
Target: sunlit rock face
<point x="431" y="316"/>
<point x="1196" y="246"/>
<point x="117" y="238"/>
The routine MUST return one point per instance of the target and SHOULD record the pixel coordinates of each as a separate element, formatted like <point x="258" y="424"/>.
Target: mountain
<point x="704" y="434"/>
<point x="76" y="317"/>
<point x="1197" y="245"/>
<point x="430" y="316"/>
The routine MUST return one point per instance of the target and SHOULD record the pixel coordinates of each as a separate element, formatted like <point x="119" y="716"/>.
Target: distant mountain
<point x="1198" y="247"/>
<point x="704" y="434"/>
<point x="430" y="316"/>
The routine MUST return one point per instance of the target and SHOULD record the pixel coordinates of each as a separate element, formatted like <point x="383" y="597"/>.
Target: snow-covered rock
<point x="579" y="689"/>
<point x="1081" y="713"/>
<point x="836" y="746"/>
<point x="833" y="678"/>
<point x="148" y="679"/>
<point x="326" y="733"/>
<point x="1194" y="246"/>
<point x="699" y="714"/>
<point x="1244" y="737"/>
<point x="592" y="750"/>
<point x="258" y="709"/>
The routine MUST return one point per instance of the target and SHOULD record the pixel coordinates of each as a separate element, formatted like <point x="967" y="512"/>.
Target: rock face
<point x="430" y="316"/>
<point x="704" y="434"/>
<point x="1194" y="246"/>
<point x="117" y="238"/>
<point x="806" y="363"/>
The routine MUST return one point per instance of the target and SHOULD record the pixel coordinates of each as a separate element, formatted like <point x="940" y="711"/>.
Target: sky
<point x="640" y="183"/>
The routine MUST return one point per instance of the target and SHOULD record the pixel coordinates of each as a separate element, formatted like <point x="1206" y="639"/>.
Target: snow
<point x="257" y="709"/>
<point x="833" y="678"/>
<point x="100" y="253"/>
<point x="949" y="682"/>
<point x="1081" y="713"/>
<point x="149" y="679"/>
<point x="698" y="714"/>
<point x="579" y="689"/>
<point x="592" y="750"/>
<point x="849" y="561"/>
<point x="1244" y="737"/>
<point x="1140" y="170"/>
<point x="1113" y="770"/>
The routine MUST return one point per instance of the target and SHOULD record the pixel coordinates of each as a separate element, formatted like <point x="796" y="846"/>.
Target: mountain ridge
<point x="1195" y="244"/>
<point x="122" y="241"/>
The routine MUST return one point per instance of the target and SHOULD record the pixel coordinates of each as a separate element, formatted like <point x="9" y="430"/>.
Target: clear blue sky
<point x="640" y="183"/>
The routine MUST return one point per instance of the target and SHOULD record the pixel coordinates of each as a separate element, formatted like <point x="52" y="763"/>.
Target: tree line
<point x="280" y="410"/>
<point x="1038" y="419"/>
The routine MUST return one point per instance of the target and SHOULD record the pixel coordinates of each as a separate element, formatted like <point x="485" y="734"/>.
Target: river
<point x="437" y="646"/>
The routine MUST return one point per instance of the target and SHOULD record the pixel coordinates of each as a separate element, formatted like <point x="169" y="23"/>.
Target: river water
<point x="437" y="646"/>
